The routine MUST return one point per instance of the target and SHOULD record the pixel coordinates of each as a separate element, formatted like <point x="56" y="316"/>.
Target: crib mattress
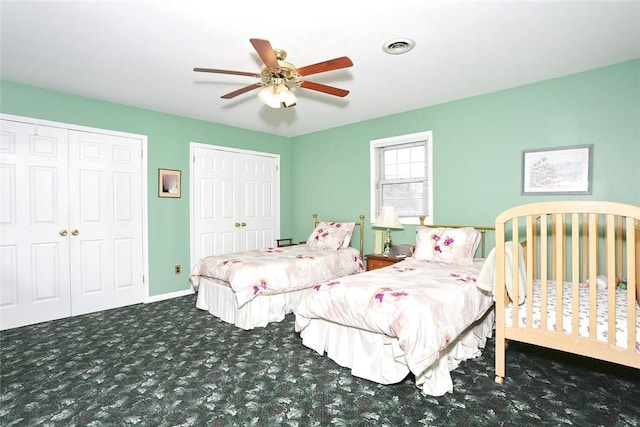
<point x="601" y="311"/>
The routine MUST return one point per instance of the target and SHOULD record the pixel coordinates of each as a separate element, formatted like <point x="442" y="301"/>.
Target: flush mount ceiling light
<point x="398" y="46"/>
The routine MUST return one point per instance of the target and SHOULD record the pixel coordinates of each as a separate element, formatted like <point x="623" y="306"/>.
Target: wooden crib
<point x="584" y="246"/>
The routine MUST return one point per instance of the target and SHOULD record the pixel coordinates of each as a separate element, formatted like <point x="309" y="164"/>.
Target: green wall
<point x="477" y="149"/>
<point x="168" y="147"/>
<point x="478" y="145"/>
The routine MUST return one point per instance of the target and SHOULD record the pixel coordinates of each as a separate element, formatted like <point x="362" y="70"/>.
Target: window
<point x="402" y="176"/>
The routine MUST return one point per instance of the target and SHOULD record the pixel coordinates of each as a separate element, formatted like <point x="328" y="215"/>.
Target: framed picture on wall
<point x="563" y="170"/>
<point x="168" y="183"/>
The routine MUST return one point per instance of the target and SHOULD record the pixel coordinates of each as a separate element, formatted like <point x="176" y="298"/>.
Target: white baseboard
<point x="171" y="295"/>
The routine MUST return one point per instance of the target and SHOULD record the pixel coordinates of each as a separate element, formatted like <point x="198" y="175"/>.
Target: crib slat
<point x="619" y="243"/>
<point x="515" y="277"/>
<point x="585" y="246"/>
<point x="543" y="270"/>
<point x="633" y="254"/>
<point x="531" y="265"/>
<point x="559" y="263"/>
<point x="534" y="243"/>
<point x="593" y="272"/>
<point x="610" y="259"/>
<point x="500" y="303"/>
<point x="575" y="273"/>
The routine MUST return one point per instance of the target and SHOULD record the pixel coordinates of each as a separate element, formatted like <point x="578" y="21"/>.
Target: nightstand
<point x="375" y="261"/>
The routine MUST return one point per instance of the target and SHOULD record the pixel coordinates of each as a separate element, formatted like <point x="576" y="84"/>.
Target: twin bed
<point x="426" y="314"/>
<point x="254" y="288"/>
<point x="423" y="315"/>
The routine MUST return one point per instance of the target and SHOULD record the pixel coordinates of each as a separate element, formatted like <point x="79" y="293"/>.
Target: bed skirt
<point x="379" y="358"/>
<point x="217" y="298"/>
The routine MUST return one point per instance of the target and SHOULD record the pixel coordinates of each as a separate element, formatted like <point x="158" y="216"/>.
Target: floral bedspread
<point x="425" y="305"/>
<point x="277" y="270"/>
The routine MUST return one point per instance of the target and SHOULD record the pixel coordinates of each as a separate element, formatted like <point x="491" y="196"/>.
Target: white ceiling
<point x="142" y="53"/>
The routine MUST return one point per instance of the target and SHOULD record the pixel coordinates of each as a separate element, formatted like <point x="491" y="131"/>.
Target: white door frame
<point x="192" y="147"/>
<point x="145" y="185"/>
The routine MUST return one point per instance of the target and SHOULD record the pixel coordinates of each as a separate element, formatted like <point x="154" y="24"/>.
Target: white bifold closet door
<point x="71" y="223"/>
<point x="235" y="201"/>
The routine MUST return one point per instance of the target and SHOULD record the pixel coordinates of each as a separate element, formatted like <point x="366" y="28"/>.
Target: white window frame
<point x="376" y="144"/>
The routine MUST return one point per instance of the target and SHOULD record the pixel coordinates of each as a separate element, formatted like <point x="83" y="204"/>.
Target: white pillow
<point x="446" y="245"/>
<point x="327" y="237"/>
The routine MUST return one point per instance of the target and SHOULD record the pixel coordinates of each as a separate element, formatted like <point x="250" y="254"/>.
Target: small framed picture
<point x="168" y="183"/>
<point x="564" y="170"/>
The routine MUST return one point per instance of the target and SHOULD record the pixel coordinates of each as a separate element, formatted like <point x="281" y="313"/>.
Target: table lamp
<point x="388" y="219"/>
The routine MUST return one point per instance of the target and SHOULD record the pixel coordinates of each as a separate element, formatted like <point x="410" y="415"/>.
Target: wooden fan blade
<point x="324" y="88"/>
<point x="264" y="49"/>
<point x="237" y="73"/>
<point x="241" y="91"/>
<point x="321" y="67"/>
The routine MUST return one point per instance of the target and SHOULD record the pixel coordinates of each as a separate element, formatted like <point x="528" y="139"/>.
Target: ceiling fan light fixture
<point x="277" y="76"/>
<point x="398" y="46"/>
<point x="277" y="95"/>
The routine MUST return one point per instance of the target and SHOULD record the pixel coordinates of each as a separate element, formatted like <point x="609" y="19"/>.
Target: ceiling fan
<point x="276" y="76"/>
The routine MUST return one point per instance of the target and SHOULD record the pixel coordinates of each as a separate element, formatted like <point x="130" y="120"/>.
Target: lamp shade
<point x="388" y="219"/>
<point x="286" y="97"/>
<point x="277" y="96"/>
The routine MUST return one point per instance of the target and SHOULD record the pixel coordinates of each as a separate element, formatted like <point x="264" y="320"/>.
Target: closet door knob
<point x="62" y="232"/>
<point x="243" y="224"/>
<point x="237" y="224"/>
<point x="75" y="232"/>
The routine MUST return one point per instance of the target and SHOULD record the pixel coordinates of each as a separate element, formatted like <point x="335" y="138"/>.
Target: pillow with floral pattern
<point x="327" y="237"/>
<point x="349" y="226"/>
<point x="446" y="245"/>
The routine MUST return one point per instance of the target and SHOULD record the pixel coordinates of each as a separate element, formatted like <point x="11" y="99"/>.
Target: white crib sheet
<point x="601" y="311"/>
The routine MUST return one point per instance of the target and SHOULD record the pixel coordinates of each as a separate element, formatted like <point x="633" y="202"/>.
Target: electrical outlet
<point x="177" y="269"/>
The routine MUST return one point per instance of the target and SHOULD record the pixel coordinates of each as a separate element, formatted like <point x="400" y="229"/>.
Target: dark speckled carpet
<point x="170" y="364"/>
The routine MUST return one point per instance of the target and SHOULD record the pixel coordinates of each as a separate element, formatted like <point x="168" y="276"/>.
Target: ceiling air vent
<point x="398" y="46"/>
